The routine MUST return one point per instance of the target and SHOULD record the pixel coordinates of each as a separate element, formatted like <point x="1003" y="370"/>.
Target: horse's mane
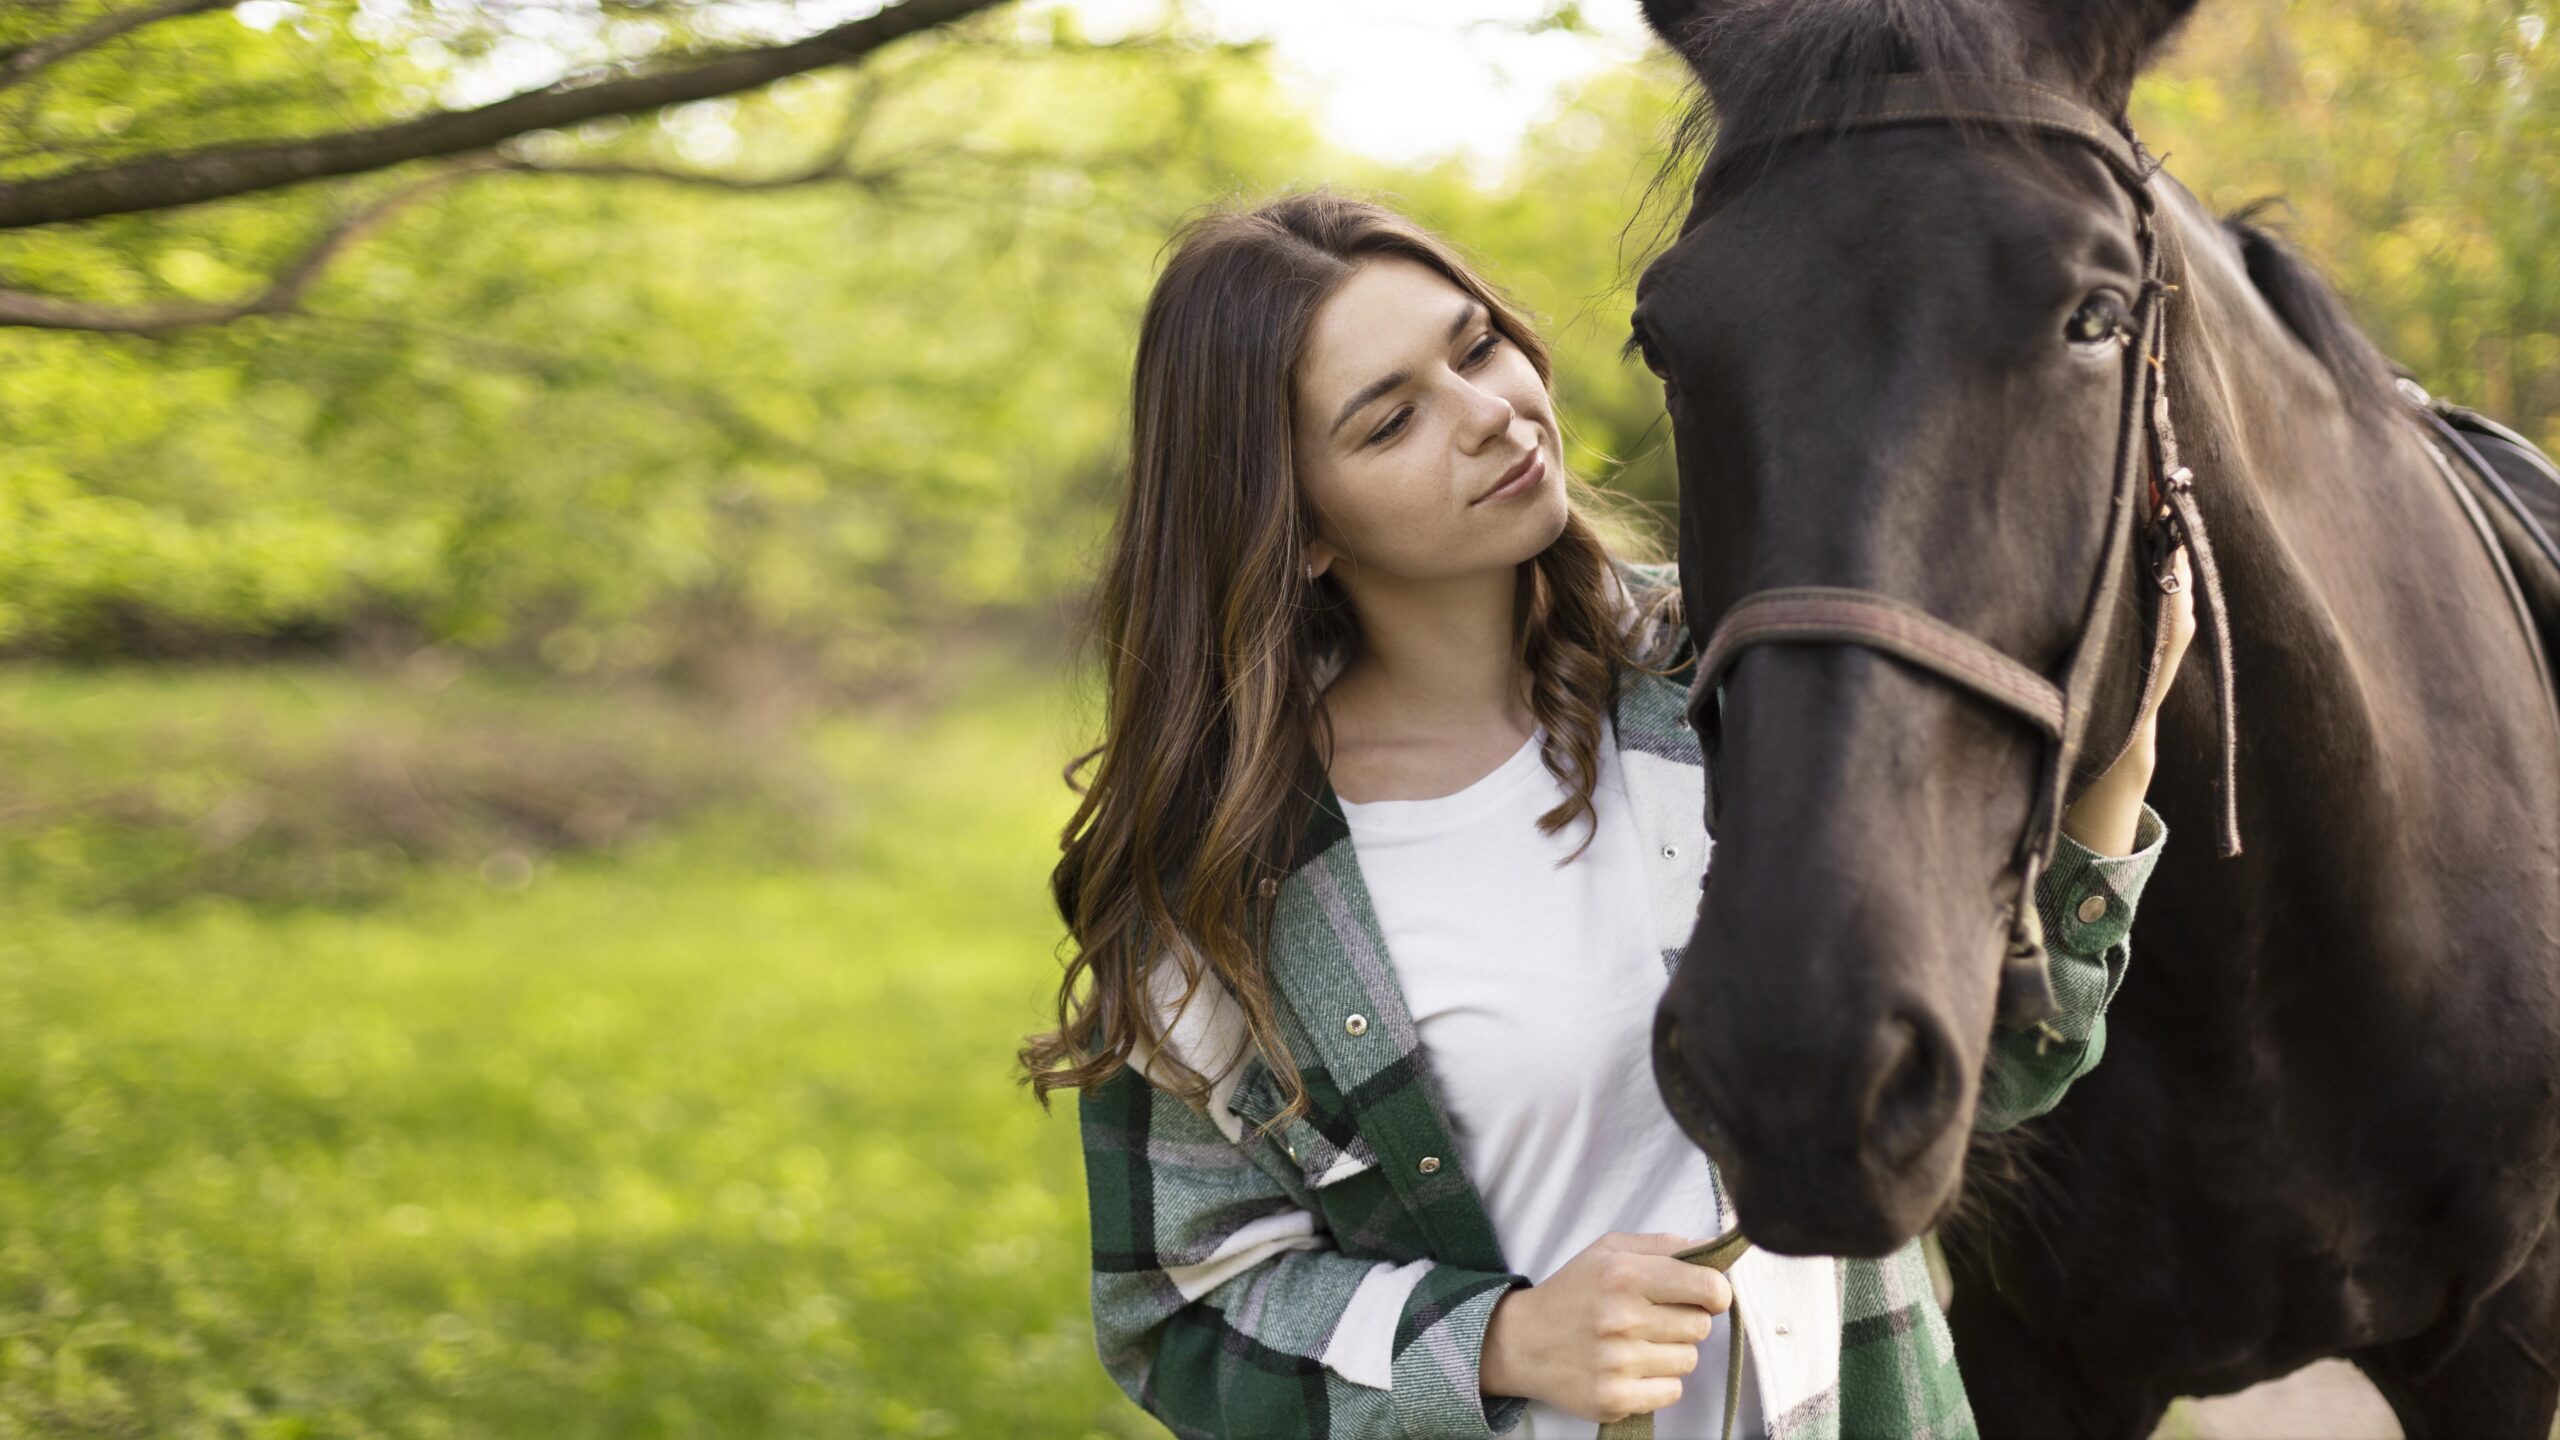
<point x="1759" y="63"/>
<point x="2313" y="311"/>
<point x="1762" y="62"/>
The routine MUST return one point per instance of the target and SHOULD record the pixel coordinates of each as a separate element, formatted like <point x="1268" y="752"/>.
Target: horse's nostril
<point x="1678" y="1088"/>
<point x="1914" y="1094"/>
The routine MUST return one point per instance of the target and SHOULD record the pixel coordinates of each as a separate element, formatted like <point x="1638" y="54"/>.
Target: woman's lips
<point x="1526" y="480"/>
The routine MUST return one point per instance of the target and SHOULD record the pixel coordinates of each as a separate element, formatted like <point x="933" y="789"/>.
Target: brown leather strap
<point x="2489" y="538"/>
<point x="2176" y="484"/>
<point x="1955" y="99"/>
<point x="1816" y="613"/>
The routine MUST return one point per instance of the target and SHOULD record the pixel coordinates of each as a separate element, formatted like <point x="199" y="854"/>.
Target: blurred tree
<point x="717" y="426"/>
<point x="107" y="128"/>
<point x="2418" y="143"/>
<point x="644" y="395"/>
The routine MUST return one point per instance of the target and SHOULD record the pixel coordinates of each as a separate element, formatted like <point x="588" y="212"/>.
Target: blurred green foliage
<point x="2418" y="142"/>
<point x="623" y="424"/>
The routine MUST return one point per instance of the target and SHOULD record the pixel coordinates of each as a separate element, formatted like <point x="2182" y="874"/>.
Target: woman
<point x="1393" y="773"/>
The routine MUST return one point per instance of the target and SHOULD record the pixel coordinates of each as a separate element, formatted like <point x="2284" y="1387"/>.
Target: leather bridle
<point x="1799" y="614"/>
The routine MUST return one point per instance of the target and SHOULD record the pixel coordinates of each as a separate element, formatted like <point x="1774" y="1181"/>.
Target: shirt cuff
<point x="1439" y="1387"/>
<point x="2086" y="900"/>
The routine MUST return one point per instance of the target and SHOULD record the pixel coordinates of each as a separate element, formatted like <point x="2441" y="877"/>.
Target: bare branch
<point x="44" y="312"/>
<point x="25" y="310"/>
<point x="830" y="169"/>
<point x="27" y="59"/>
<point x="880" y="177"/>
<point x="191" y="177"/>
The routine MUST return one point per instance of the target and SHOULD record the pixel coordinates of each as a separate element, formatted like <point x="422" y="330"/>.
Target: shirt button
<point x="1782" y="1327"/>
<point x="2093" y="909"/>
<point x="1670" y="852"/>
<point x="1430" y="1163"/>
<point x="1356" y="1024"/>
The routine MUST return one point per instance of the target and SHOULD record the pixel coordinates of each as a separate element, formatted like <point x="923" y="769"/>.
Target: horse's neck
<point x="2369" y="630"/>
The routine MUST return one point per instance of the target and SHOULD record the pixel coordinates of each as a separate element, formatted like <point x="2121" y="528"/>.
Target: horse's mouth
<point x="1681" y="1095"/>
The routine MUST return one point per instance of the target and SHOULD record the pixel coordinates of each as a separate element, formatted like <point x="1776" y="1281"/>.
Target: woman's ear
<point x="1319" y="558"/>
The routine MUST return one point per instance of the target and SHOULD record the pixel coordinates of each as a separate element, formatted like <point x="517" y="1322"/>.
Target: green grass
<point x="676" y="1141"/>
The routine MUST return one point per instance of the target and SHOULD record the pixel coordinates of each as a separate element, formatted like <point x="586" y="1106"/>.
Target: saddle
<point x="2512" y="490"/>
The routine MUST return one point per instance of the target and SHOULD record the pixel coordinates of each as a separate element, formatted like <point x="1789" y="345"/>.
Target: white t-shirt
<point x="1533" y="989"/>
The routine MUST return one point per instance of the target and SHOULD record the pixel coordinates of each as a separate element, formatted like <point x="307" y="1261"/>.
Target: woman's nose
<point x="1492" y="415"/>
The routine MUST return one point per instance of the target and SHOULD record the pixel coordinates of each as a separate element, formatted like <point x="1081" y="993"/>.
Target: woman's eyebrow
<point x="1376" y="388"/>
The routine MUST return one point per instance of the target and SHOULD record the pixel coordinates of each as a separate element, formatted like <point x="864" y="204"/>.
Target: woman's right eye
<point x="1388" y="430"/>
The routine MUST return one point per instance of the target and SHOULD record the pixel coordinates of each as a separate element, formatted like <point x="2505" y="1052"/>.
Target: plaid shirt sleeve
<point x="1224" y="1308"/>
<point x="2087" y="959"/>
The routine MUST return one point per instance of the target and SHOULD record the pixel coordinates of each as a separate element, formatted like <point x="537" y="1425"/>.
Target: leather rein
<point x="1799" y="614"/>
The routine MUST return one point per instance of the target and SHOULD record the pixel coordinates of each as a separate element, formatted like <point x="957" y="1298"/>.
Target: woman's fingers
<point x="2178" y="617"/>
<point x="1683" y="1325"/>
<point x="2182" y="605"/>
<point x="1682" y="1283"/>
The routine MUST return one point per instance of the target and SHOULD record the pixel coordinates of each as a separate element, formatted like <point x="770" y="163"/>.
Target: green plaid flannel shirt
<point x="1333" y="1280"/>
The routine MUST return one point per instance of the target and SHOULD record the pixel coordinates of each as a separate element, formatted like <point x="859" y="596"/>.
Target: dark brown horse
<point x="2327" y="1121"/>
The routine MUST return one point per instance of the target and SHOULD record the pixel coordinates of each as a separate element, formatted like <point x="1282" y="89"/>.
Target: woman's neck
<point x="1436" y="660"/>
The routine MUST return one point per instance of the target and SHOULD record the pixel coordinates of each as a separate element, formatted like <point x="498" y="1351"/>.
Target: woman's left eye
<point x="1395" y="423"/>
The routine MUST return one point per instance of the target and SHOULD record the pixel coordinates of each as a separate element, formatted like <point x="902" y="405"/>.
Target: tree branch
<point x="192" y="177"/>
<point x="43" y="312"/>
<point x="817" y="174"/>
<point x="16" y="65"/>
<point x="881" y="179"/>
<point x="29" y="311"/>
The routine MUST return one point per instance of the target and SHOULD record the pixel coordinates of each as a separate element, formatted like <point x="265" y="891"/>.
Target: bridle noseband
<point x="1827" y="613"/>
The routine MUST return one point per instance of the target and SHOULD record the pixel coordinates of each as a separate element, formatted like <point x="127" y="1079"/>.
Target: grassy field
<point x="676" y="1140"/>
<point x="530" y="1065"/>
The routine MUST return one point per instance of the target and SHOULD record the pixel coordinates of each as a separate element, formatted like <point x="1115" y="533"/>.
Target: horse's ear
<point x="1670" y="19"/>
<point x="2109" y="42"/>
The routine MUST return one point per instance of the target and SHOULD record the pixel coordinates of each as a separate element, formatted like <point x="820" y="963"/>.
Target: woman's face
<point x="1411" y="407"/>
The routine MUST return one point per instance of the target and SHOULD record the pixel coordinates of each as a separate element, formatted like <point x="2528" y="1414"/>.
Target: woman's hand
<point x="1610" y="1333"/>
<point x="2108" y="813"/>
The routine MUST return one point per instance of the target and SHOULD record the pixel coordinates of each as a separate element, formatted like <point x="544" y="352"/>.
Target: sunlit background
<point x="536" y="679"/>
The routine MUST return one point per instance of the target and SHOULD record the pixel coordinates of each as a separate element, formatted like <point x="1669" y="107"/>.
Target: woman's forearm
<point x="2108" y="814"/>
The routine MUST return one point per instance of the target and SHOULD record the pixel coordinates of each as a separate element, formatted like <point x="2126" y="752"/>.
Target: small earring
<point x="1311" y="572"/>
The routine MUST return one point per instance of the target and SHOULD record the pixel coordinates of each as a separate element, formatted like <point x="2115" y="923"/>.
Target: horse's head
<point x="1895" y="360"/>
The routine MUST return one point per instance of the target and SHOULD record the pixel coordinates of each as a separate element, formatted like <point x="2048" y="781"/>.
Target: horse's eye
<point x="1642" y="343"/>
<point x="2100" y="318"/>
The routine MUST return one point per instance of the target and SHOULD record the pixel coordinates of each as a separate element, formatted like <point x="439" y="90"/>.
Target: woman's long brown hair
<point x="1212" y="640"/>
